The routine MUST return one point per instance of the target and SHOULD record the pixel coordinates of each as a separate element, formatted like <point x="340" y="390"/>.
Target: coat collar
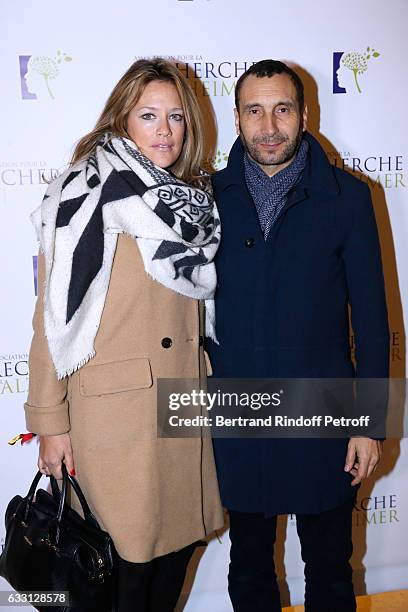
<point x="317" y="177"/>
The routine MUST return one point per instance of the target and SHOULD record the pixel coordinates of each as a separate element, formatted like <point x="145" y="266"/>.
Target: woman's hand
<point x="53" y="451"/>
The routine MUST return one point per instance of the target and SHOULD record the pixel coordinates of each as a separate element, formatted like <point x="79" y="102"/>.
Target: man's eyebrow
<point x="286" y="103"/>
<point x="252" y="105"/>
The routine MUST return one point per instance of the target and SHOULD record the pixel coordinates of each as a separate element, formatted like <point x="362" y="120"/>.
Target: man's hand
<point x="363" y="455"/>
<point x="53" y="451"/>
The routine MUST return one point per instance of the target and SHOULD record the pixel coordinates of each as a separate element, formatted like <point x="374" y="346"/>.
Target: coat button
<point x="249" y="242"/>
<point x="166" y="342"/>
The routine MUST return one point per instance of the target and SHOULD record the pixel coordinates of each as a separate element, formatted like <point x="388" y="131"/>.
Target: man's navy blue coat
<point x="282" y="311"/>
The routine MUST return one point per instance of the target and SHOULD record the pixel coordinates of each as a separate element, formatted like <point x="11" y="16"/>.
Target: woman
<point x="128" y="234"/>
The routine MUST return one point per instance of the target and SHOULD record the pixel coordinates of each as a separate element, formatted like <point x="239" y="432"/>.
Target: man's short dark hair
<point x="268" y="68"/>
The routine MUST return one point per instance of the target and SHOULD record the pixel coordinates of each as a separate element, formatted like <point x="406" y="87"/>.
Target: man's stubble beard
<point x="289" y="151"/>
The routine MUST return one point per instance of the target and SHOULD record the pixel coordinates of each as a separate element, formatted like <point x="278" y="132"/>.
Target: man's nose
<point x="270" y="123"/>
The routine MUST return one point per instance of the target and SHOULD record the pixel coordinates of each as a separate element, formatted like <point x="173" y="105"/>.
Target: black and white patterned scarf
<point x="118" y="190"/>
<point x="269" y="192"/>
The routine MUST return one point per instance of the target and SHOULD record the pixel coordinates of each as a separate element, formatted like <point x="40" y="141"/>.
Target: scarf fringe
<point x="63" y="373"/>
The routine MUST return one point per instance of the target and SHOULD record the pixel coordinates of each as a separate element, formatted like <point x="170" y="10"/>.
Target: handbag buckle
<point x="101" y="576"/>
<point x="48" y="542"/>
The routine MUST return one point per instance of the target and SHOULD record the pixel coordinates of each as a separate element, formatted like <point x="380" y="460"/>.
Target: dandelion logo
<point x="36" y="71"/>
<point x="352" y="63"/>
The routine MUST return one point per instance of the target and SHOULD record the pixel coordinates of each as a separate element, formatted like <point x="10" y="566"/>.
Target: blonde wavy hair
<point x="126" y="94"/>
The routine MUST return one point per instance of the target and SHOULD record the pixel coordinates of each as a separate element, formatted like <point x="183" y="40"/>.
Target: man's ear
<point x="304" y="118"/>
<point x="236" y="117"/>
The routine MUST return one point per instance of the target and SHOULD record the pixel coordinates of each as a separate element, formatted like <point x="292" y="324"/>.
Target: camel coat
<point x="153" y="495"/>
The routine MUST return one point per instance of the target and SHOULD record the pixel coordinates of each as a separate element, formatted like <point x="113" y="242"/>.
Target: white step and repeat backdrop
<point x="59" y="62"/>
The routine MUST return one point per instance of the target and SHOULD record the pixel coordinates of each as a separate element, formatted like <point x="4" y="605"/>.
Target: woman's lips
<point x="162" y="147"/>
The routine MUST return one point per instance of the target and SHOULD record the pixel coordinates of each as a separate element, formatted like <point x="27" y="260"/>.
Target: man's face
<point x="269" y="120"/>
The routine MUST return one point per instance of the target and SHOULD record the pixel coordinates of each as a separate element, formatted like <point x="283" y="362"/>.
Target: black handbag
<point x="50" y="547"/>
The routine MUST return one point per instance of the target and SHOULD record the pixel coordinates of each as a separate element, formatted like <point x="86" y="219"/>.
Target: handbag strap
<point x="89" y="517"/>
<point x="60" y="496"/>
<point x="30" y="497"/>
<point x="32" y="489"/>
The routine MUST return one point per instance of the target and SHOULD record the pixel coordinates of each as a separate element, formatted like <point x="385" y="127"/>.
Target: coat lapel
<point x="232" y="180"/>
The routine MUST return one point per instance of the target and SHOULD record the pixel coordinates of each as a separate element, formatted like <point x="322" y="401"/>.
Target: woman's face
<point x="156" y="124"/>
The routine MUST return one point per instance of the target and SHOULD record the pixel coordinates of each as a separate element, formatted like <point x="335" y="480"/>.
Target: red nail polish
<point x="72" y="472"/>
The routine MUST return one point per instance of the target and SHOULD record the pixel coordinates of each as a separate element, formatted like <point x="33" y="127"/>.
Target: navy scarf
<point x="270" y="192"/>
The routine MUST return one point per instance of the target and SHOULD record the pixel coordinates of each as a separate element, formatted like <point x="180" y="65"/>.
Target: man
<point x="299" y="246"/>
